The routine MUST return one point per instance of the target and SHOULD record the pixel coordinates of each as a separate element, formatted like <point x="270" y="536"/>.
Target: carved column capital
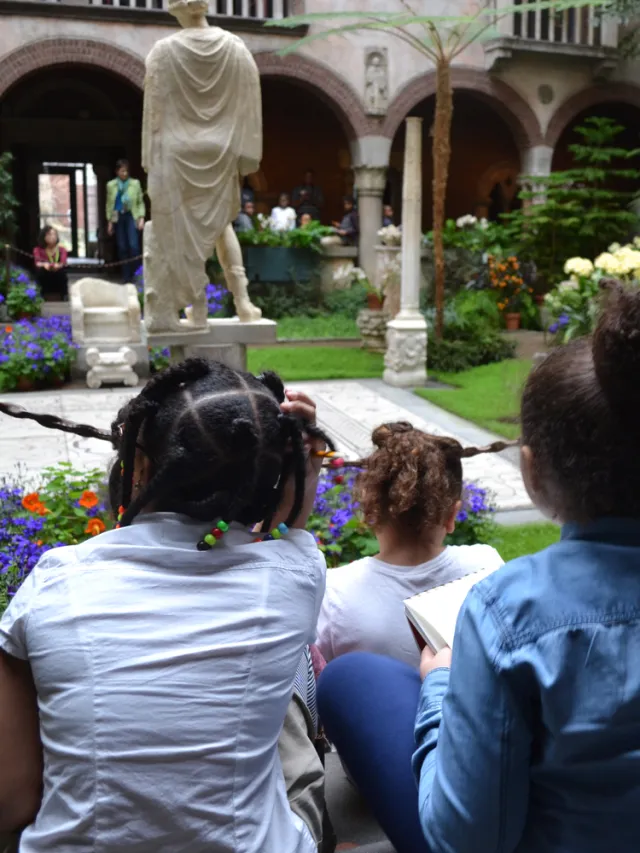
<point x="370" y="180"/>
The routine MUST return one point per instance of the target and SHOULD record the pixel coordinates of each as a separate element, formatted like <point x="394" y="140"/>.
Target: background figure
<point x="387" y="216"/>
<point x="51" y="260"/>
<point x="244" y="220"/>
<point x="283" y="217"/>
<point x="247" y="193"/>
<point x="307" y="197"/>
<point x="349" y="227"/>
<point x="125" y="217"/>
<point x="305" y="219"/>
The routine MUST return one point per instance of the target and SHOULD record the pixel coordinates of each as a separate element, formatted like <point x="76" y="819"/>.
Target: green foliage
<point x="321" y="326"/>
<point x="72" y="499"/>
<point x="307" y="237"/>
<point x="522" y="539"/>
<point x="577" y="211"/>
<point x="471" y="334"/>
<point x="24" y="300"/>
<point x="348" y="301"/>
<point x="286" y="298"/>
<point x="8" y="202"/>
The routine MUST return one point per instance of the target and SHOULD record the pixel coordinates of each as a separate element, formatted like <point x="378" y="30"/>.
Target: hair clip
<point x="210" y="539"/>
<point x="335" y="461"/>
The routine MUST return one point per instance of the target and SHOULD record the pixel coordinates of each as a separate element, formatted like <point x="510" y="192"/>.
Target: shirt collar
<point x="617" y="531"/>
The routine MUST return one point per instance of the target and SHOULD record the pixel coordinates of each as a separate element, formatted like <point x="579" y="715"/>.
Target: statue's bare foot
<point x="247" y="312"/>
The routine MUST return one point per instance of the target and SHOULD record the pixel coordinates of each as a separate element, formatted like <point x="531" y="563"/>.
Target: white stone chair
<point x="103" y="312"/>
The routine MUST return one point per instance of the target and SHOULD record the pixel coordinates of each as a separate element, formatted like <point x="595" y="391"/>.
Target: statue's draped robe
<point x="202" y="130"/>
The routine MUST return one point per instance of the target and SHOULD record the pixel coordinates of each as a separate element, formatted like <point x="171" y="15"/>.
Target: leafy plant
<point x="577" y="212"/>
<point x="62" y="507"/>
<point x="307" y="237"/>
<point x="39" y="351"/>
<point x="24" y="300"/>
<point x="8" y="207"/>
<point x="475" y="522"/>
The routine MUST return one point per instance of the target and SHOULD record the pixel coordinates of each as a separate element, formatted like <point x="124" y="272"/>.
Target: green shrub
<point x="348" y="301"/>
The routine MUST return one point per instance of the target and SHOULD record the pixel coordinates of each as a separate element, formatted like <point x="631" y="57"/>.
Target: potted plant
<point x="38" y="353"/>
<point x="279" y="256"/>
<point x="24" y="299"/>
<point x="505" y="276"/>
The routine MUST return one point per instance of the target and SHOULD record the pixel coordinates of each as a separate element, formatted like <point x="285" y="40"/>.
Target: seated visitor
<point x="305" y="220"/>
<point x="535" y="747"/>
<point x="244" y="220"/>
<point x="348" y="228"/>
<point x="283" y="217"/>
<point x="50" y="259"/>
<point x="410" y="493"/>
<point x="387" y="216"/>
<point x="162" y="655"/>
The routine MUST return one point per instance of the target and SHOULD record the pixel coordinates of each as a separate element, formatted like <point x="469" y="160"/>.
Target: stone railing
<point x="242" y="9"/>
<point x="578" y="31"/>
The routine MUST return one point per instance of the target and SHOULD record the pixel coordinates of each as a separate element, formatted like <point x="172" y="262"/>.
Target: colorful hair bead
<point x="211" y="538"/>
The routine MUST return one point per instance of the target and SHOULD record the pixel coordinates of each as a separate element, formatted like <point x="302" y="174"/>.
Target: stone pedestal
<point x="388" y="277"/>
<point x="405" y="361"/>
<point x="223" y="340"/>
<point x="370" y="184"/>
<point x="406" y="356"/>
<point x="373" y="329"/>
<point x="112" y="367"/>
<point x="334" y="258"/>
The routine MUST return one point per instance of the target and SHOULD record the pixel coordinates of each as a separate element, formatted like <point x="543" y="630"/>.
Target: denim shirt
<point x="532" y="741"/>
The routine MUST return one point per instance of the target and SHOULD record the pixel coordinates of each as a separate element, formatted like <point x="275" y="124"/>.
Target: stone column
<point x="370" y="183"/>
<point x="537" y="160"/>
<point x="406" y="357"/>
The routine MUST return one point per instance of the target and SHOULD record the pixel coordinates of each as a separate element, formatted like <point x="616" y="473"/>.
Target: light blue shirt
<point x="163" y="676"/>
<point x="532" y="742"/>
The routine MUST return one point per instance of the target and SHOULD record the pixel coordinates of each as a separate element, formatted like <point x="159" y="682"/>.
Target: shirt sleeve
<point x="324" y="640"/>
<point x="13" y="624"/>
<point x="473" y="746"/>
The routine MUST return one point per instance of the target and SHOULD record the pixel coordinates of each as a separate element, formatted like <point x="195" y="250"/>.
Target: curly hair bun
<point x="616" y="350"/>
<point x="382" y="435"/>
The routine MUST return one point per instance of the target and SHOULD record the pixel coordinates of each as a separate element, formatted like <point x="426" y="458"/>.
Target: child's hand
<point x="429" y="661"/>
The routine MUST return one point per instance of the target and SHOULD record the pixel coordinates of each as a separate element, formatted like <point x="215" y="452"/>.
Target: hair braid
<point x="54" y="422"/>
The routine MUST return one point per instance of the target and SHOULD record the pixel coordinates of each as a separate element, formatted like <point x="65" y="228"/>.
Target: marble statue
<point x="376" y="82"/>
<point x="202" y="133"/>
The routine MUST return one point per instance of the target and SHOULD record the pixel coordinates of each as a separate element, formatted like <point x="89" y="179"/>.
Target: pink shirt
<point x="40" y="256"/>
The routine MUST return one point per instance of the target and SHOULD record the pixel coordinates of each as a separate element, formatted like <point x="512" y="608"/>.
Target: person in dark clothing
<point x="387" y="216"/>
<point x="307" y="197"/>
<point x="349" y="227"/>
<point x="51" y="264"/>
<point x="244" y="220"/>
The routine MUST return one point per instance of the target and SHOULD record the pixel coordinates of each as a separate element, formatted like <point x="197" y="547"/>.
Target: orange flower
<point x="39" y="542"/>
<point x="8" y="329"/>
<point x="88" y="500"/>
<point x="95" y="526"/>
<point x="41" y="509"/>
<point x="31" y="501"/>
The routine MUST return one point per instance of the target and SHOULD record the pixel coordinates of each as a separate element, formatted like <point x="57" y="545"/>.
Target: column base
<point x="405" y="361"/>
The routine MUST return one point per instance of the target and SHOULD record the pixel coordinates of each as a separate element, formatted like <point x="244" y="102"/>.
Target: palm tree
<point x="441" y="39"/>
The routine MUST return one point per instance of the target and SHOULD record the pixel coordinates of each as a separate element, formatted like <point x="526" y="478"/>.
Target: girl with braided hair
<point x="410" y="492"/>
<point x="163" y="654"/>
<point x="527" y="737"/>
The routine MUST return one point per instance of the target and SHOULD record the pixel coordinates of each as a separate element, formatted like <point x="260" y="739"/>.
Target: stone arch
<point x="605" y="94"/>
<point x="506" y="102"/>
<point x="333" y="90"/>
<point x="43" y="53"/>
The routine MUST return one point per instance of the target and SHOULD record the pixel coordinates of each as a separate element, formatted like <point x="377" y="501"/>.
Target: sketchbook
<point x="433" y="614"/>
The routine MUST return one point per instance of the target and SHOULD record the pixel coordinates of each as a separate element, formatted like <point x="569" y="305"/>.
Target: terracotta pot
<point x="374" y="303"/>
<point x="25" y="383"/>
<point x="513" y="322"/>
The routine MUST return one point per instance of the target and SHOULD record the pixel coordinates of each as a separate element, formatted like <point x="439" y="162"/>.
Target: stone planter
<point x="332" y="259"/>
<point x="277" y="264"/>
<point x="373" y="329"/>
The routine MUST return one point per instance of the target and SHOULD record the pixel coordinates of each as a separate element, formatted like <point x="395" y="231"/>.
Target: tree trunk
<point x="441" y="157"/>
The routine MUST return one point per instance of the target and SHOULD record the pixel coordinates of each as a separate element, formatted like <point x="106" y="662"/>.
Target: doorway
<point x="68" y="200"/>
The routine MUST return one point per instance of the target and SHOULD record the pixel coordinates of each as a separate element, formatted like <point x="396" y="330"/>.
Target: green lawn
<point x="323" y="326"/>
<point x="523" y="539"/>
<point x="298" y="363"/>
<point x="485" y="395"/>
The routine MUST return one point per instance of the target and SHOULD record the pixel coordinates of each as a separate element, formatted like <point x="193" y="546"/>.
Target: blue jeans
<point x="368" y="706"/>
<point x="128" y="244"/>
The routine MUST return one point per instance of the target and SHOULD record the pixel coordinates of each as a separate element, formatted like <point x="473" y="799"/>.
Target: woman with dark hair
<point x="50" y="259"/>
<point x="527" y="737"/>
<point x="163" y="654"/>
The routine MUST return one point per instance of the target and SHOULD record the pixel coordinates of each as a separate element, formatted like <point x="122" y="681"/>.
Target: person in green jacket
<point x="125" y="217"/>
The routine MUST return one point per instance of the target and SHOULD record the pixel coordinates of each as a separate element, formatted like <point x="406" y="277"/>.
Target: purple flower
<point x="553" y="328"/>
<point x="563" y="320"/>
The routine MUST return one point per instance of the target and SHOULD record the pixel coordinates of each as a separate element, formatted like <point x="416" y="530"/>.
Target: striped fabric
<point x="304" y="685"/>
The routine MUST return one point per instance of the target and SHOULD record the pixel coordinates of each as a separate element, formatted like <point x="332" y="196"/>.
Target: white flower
<point x="608" y="263"/>
<point x="467" y="221"/>
<point x="484" y="223"/>
<point x="613" y="248"/>
<point x="571" y="284"/>
<point x="579" y="267"/>
<point x="636" y="242"/>
<point x="390" y="235"/>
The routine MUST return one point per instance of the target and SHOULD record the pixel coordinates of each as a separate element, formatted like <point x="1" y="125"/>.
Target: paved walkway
<point x="348" y="410"/>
